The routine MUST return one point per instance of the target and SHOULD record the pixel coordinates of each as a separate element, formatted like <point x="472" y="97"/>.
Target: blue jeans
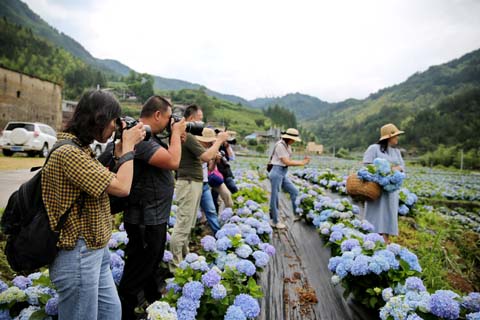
<point x="208" y="206"/>
<point x="85" y="286"/>
<point x="278" y="178"/>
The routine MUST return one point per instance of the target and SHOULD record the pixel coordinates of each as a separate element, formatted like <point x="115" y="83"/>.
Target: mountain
<point x="304" y="106"/>
<point x="355" y="123"/>
<point x="19" y="13"/>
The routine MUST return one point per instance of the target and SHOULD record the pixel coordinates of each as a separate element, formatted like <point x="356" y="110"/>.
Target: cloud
<point x="330" y="49"/>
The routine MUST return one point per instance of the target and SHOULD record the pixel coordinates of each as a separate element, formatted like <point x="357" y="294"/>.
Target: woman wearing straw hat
<point x="280" y="161"/>
<point x="383" y="212"/>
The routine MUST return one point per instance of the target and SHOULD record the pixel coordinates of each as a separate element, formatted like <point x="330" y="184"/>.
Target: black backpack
<point x="31" y="243"/>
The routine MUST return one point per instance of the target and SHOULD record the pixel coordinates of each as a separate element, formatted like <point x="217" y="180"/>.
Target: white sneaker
<point x="280" y="225"/>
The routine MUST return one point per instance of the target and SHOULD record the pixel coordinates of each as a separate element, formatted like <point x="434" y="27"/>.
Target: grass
<point x="448" y="253"/>
<point x="19" y="161"/>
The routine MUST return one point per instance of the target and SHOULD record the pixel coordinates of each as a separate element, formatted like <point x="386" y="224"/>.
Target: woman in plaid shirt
<point x="74" y="178"/>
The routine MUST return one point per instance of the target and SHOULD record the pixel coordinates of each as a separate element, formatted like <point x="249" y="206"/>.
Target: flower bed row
<point x="218" y="282"/>
<point x="372" y="271"/>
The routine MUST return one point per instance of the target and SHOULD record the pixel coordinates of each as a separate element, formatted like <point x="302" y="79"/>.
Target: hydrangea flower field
<point x="218" y="279"/>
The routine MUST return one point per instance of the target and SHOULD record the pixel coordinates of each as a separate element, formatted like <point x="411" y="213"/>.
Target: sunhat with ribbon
<point x="388" y="131"/>
<point x="208" y="135"/>
<point x="292" y="134"/>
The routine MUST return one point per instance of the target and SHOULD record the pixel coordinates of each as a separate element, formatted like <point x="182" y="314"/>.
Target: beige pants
<point x="188" y="195"/>
<point x="225" y="195"/>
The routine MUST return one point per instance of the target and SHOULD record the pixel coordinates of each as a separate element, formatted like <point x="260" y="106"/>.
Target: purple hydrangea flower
<point x="349" y="244"/>
<point x="252" y="239"/>
<point x="268" y="249"/>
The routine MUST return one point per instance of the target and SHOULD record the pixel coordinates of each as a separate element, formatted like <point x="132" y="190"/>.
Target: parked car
<point x="30" y="137"/>
<point x="99" y="147"/>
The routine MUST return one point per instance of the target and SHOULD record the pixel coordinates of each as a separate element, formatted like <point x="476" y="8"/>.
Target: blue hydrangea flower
<point x="472" y="302"/>
<point x="211" y="278"/>
<point x="219" y="292"/>
<point x="349" y="244"/>
<point x="209" y="243"/>
<point x="411" y="259"/>
<point x="26" y="313"/>
<point x="403" y="210"/>
<point x="171" y="284"/>
<point x="395" y="248"/>
<point x="473" y="316"/>
<point x="234" y="313"/>
<point x="360" y="265"/>
<point x="252" y="239"/>
<point x="261" y="258"/>
<point x="248" y="304"/>
<point x="187" y="307"/>
<point x="244" y="251"/>
<point x="3" y="286"/>
<point x="117" y="274"/>
<point x="444" y="305"/>
<point x="116" y="261"/>
<point x="21" y="282"/>
<point x="223" y="244"/>
<point x="191" y="257"/>
<point x="51" y="308"/>
<point x="193" y="290"/>
<point x="335" y="236"/>
<point x="167" y="256"/>
<point x="414" y="283"/>
<point x="387" y="294"/>
<point x="5" y="314"/>
<point x="246" y="267"/>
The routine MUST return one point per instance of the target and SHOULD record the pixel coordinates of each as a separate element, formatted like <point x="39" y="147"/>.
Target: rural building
<point x="27" y="98"/>
<point x="312" y="147"/>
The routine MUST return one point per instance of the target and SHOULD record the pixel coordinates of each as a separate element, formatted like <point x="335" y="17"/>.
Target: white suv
<point x="30" y="137"/>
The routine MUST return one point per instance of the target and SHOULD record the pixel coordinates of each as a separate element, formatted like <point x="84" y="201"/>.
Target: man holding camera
<point x="190" y="185"/>
<point x="149" y="203"/>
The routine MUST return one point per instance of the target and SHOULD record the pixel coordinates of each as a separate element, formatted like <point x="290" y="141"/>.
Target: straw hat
<point x="388" y="131"/>
<point x="208" y="135"/>
<point x="291" y="134"/>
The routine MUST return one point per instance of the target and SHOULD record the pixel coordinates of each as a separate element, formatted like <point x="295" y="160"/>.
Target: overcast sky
<point x="333" y="50"/>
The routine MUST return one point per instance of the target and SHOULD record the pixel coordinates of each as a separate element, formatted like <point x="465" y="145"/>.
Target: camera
<point x="224" y="159"/>
<point x="130" y="123"/>
<point x="194" y="127"/>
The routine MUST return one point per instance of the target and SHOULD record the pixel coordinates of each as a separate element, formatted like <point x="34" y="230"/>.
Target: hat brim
<point x="388" y="136"/>
<point x="287" y="136"/>
<point x="206" y="139"/>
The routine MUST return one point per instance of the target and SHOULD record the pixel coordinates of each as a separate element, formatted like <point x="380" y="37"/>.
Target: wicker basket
<point x="362" y="190"/>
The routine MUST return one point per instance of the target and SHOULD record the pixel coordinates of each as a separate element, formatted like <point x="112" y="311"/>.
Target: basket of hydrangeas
<point x="367" y="184"/>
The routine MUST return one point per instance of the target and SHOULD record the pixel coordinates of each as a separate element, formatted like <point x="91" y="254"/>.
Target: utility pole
<point x="461" y="160"/>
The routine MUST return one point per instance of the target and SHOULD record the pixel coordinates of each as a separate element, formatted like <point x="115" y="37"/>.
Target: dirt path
<point x="297" y="281"/>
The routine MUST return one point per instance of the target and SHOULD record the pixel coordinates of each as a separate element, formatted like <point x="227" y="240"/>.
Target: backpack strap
<point x="81" y="197"/>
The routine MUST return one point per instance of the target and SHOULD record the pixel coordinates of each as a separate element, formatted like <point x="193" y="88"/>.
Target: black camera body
<point x="224" y="159"/>
<point x="194" y="127"/>
<point x="130" y="123"/>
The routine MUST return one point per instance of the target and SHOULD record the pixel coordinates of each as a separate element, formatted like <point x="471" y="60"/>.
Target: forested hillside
<point x="21" y="50"/>
<point x="355" y="124"/>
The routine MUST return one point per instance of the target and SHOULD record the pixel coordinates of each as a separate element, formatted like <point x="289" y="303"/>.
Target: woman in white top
<point x="281" y="160"/>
